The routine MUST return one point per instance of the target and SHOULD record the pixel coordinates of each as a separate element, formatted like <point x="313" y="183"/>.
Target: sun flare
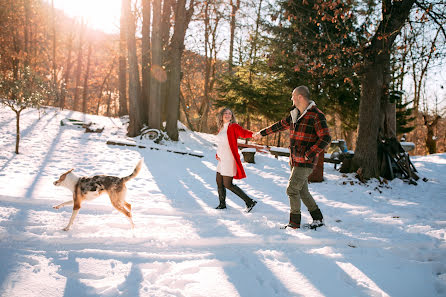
<point x="98" y="14"/>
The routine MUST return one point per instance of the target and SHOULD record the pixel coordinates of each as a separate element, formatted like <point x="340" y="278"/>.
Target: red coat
<point x="234" y="132"/>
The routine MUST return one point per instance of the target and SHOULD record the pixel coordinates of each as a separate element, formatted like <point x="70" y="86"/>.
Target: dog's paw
<point x="56" y="206"/>
<point x="66" y="228"/>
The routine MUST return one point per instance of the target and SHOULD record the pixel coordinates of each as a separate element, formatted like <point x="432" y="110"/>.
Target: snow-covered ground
<point x="380" y="240"/>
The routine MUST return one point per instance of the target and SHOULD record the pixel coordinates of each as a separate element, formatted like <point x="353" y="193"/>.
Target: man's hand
<point x="257" y="136"/>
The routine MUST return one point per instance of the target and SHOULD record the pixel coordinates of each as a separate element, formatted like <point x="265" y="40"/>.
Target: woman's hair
<point x="220" y="117"/>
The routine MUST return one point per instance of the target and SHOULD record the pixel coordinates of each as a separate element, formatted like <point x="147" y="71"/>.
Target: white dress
<point x="226" y="165"/>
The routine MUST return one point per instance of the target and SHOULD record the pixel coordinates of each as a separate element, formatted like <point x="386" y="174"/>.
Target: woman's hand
<point x="257" y="136"/>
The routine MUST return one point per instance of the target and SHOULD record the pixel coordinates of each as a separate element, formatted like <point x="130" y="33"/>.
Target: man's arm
<point x="276" y="127"/>
<point x="324" y="138"/>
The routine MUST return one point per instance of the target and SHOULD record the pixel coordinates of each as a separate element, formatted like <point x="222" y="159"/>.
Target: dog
<point x="89" y="188"/>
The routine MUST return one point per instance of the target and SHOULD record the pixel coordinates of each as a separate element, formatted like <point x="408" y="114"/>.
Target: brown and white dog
<point x="89" y="188"/>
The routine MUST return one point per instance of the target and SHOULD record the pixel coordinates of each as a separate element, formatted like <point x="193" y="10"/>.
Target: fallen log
<point x="123" y="143"/>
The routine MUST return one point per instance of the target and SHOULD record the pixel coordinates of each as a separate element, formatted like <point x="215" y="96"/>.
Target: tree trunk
<point x="366" y="153"/>
<point x="145" y="57"/>
<point x="431" y="142"/>
<point x="203" y="127"/>
<point x="165" y="29"/>
<point x="55" y="84"/>
<point x="235" y="8"/>
<point x="182" y="19"/>
<point x="186" y="112"/>
<point x="374" y="87"/>
<point x="156" y="69"/>
<point x="122" y="76"/>
<point x="79" y="68"/>
<point x="27" y="8"/>
<point x="101" y="89"/>
<point x="135" y="124"/>
<point x="67" y="73"/>
<point x="17" y="137"/>
<point x="109" y="102"/>
<point x="87" y="74"/>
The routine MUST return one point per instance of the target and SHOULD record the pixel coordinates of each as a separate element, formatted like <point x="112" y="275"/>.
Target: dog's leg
<point x="73" y="216"/>
<point x="63" y="204"/>
<point x="77" y="199"/>
<point x="117" y="200"/>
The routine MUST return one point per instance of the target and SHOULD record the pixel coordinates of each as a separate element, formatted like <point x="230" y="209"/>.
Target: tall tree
<point x="79" y="66"/>
<point x="376" y="112"/>
<point x="182" y="18"/>
<point x="314" y="43"/>
<point x="212" y="17"/>
<point x="145" y="57"/>
<point x="69" y="64"/>
<point x="122" y="73"/>
<point x="135" y="124"/>
<point x="55" y="85"/>
<point x="235" y="6"/>
<point x="86" y="77"/>
<point x="157" y="72"/>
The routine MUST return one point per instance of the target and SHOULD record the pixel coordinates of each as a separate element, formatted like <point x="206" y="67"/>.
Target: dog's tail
<point x="135" y="171"/>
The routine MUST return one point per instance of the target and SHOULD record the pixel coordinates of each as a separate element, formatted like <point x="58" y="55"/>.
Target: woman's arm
<point x="240" y="132"/>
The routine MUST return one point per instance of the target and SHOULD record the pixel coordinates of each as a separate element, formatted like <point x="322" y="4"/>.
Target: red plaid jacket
<point x="309" y="136"/>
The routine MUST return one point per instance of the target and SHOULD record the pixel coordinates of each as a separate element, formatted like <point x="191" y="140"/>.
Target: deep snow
<point x="380" y="239"/>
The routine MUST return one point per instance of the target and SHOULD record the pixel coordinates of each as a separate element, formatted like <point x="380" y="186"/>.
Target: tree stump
<point x="318" y="172"/>
<point x="248" y="155"/>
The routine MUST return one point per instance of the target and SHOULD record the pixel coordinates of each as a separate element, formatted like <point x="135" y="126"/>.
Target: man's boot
<point x="221" y="198"/>
<point x="318" y="219"/>
<point x="294" y="221"/>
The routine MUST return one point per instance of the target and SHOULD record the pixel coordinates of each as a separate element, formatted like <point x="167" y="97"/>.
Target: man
<point x="309" y="136"/>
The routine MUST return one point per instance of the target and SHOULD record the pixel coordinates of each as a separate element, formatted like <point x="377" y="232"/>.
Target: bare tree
<point x="211" y="18"/>
<point x="156" y="69"/>
<point x="67" y="72"/>
<point x="122" y="74"/>
<point x="79" y="66"/>
<point x="377" y="114"/>
<point x="135" y="124"/>
<point x="176" y="48"/>
<point x="145" y="57"/>
<point x="235" y="7"/>
<point x="86" y="77"/>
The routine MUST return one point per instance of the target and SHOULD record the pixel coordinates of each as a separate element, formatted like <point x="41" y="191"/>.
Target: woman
<point x="229" y="164"/>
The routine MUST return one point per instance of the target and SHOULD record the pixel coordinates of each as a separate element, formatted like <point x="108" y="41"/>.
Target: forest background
<point x="375" y="68"/>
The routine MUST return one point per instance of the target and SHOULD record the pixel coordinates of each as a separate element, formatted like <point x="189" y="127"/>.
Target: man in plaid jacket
<point x="309" y="136"/>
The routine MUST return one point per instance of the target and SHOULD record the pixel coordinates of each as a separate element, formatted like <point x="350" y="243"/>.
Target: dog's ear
<point x="68" y="172"/>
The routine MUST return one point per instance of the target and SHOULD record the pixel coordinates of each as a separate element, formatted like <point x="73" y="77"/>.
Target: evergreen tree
<point x="313" y="43"/>
<point x="404" y="118"/>
<point x="251" y="90"/>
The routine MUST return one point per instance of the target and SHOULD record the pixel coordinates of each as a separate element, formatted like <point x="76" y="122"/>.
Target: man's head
<point x="300" y="95"/>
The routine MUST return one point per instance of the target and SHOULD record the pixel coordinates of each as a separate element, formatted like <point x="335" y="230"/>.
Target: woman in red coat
<point x="229" y="164"/>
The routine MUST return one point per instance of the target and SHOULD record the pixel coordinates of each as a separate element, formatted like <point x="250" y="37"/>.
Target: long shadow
<point x="8" y="260"/>
<point x="130" y="287"/>
<point x="2" y="123"/>
<point x="316" y="267"/>
<point x="23" y="134"/>
<point x="30" y="128"/>
<point x="73" y="287"/>
<point x="249" y="275"/>
<point x="44" y="162"/>
<point x="182" y="199"/>
<point x="239" y="261"/>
